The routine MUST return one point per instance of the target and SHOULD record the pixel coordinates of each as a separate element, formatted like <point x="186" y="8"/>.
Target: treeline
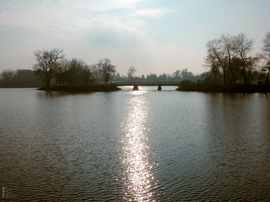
<point x="178" y="75"/>
<point x="79" y="75"/>
<point x="19" y="78"/>
<point x="229" y="62"/>
<point x="51" y="68"/>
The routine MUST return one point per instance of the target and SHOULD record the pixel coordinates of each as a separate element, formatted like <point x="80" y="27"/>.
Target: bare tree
<point x="227" y="46"/>
<point x="265" y="55"/>
<point x="241" y="46"/>
<point x="177" y="74"/>
<point x="95" y="73"/>
<point x="131" y="72"/>
<point x="106" y="69"/>
<point x="215" y="49"/>
<point x="8" y="77"/>
<point x="61" y="72"/>
<point x="214" y="73"/>
<point x="86" y="75"/>
<point x="75" y="68"/>
<point x="47" y="62"/>
<point x="266" y="41"/>
<point x="251" y="64"/>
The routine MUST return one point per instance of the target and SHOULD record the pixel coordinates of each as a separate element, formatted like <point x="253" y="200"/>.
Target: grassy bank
<point x="225" y="88"/>
<point x="92" y="88"/>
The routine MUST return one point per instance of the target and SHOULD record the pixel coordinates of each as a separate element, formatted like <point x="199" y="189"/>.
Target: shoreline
<point x="92" y="88"/>
<point x="225" y="89"/>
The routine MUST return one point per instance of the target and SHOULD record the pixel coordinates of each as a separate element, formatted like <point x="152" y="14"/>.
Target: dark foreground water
<point x="134" y="146"/>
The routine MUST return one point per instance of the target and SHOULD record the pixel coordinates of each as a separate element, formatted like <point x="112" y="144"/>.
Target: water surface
<point x="144" y="145"/>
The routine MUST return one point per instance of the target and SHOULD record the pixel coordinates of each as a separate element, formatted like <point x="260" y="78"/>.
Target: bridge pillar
<point x="135" y="87"/>
<point x="159" y="88"/>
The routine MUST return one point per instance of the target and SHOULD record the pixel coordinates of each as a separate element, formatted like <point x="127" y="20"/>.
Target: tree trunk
<point x="267" y="78"/>
<point x="224" y="70"/>
<point x="48" y="80"/>
<point x="224" y="76"/>
<point x="244" y="69"/>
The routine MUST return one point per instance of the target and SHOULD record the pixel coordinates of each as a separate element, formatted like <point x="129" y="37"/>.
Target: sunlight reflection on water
<point x="137" y="176"/>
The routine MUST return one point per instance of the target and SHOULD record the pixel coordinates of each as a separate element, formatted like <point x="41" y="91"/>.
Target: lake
<point x="144" y="145"/>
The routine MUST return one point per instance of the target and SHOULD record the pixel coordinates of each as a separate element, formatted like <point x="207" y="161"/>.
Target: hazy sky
<point x="155" y="36"/>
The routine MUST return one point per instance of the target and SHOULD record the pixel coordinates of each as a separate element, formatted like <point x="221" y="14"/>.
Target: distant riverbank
<point x="93" y="88"/>
<point x="225" y="88"/>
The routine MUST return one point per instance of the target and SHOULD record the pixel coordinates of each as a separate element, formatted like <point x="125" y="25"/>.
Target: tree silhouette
<point x="131" y="72"/>
<point x="265" y="55"/>
<point x="106" y="69"/>
<point x="47" y="62"/>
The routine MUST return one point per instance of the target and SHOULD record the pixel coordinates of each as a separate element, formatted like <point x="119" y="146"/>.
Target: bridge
<point x="137" y="84"/>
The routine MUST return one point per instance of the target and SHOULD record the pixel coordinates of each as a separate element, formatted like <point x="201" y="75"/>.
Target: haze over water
<point x="144" y="145"/>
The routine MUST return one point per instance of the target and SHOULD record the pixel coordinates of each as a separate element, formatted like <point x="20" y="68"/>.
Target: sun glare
<point x="137" y="175"/>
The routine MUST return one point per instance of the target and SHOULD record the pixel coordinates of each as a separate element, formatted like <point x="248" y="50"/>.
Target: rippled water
<point x="142" y="145"/>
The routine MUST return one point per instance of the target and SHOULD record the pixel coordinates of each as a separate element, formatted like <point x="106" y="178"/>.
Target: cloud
<point x="50" y="14"/>
<point x="151" y="12"/>
<point x="70" y="5"/>
<point x="77" y="20"/>
<point x="111" y="38"/>
<point x="88" y="30"/>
